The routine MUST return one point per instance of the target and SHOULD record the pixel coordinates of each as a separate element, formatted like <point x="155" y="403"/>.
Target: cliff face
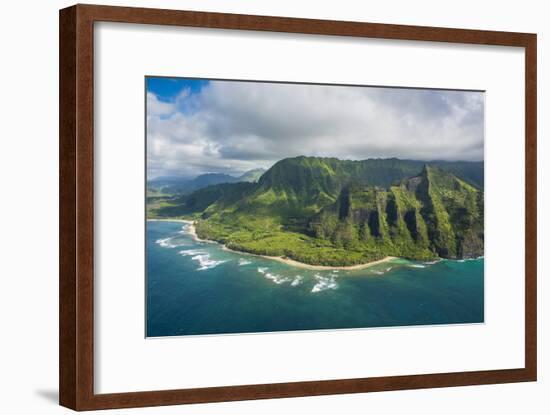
<point x="326" y="211"/>
<point x="434" y="213"/>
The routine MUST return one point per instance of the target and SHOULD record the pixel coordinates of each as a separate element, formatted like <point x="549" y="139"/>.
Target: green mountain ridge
<point x="183" y="185"/>
<point x="434" y="212"/>
<point x="327" y="211"/>
<point x="252" y="176"/>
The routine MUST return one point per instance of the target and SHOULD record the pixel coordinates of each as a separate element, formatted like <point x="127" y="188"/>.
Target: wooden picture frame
<point x="76" y="278"/>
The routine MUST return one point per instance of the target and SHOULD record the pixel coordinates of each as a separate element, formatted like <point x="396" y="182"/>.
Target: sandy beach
<point x="303" y="265"/>
<point x="192" y="231"/>
<point x="297" y="264"/>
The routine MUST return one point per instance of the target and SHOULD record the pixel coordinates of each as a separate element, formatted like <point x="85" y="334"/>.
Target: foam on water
<point x="277" y="279"/>
<point x="244" y="262"/>
<point x="297" y="280"/>
<point x="324" y="283"/>
<point x="417" y="266"/>
<point x="205" y="262"/>
<point x="168" y="243"/>
<point x="192" y="252"/>
<point x="280" y="279"/>
<point x="163" y="242"/>
<point x="203" y="258"/>
<point x="468" y="259"/>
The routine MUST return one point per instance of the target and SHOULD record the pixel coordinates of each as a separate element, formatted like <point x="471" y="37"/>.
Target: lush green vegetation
<point x="432" y="214"/>
<point x="337" y="212"/>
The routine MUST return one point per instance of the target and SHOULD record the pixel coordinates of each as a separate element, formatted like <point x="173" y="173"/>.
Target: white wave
<point x="324" y="283"/>
<point x="192" y="252"/>
<point x="297" y="280"/>
<point x="417" y="266"/>
<point x="168" y="243"/>
<point x="378" y="272"/>
<point x="203" y="258"/>
<point x="244" y="262"/>
<point x="389" y="269"/>
<point x="205" y="262"/>
<point x="277" y="279"/>
<point x="431" y="262"/>
<point x="469" y="259"/>
<point x="163" y="242"/>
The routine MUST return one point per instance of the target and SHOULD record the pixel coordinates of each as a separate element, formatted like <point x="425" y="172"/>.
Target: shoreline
<point x="311" y="267"/>
<point x="303" y="265"/>
<point x="192" y="231"/>
<point x="169" y="220"/>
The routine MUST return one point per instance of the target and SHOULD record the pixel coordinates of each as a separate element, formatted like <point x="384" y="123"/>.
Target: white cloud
<point x="235" y="126"/>
<point x="155" y="107"/>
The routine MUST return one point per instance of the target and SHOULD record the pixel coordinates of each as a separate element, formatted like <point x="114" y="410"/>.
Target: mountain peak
<point x="252" y="175"/>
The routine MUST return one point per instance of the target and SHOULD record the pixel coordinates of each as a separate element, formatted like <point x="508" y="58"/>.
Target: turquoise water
<point x="200" y="288"/>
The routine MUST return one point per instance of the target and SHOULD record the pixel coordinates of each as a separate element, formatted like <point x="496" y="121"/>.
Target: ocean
<point x="198" y="288"/>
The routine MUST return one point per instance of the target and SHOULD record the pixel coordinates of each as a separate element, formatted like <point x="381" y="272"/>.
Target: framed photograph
<point x="258" y="207"/>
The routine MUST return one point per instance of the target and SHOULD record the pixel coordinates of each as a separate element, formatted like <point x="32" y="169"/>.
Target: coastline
<point x="303" y="265"/>
<point x="192" y="231"/>
<point x="298" y="264"/>
<point x="169" y="220"/>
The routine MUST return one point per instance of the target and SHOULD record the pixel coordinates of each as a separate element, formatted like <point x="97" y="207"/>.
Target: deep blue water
<point x="199" y="288"/>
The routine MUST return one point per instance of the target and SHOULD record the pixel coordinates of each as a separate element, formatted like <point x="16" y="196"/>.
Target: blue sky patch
<point x="167" y="89"/>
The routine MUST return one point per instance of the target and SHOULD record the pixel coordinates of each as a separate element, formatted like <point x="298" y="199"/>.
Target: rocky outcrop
<point x="431" y="214"/>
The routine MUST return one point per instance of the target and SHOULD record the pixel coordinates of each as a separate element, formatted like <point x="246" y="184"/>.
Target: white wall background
<point x="29" y="208"/>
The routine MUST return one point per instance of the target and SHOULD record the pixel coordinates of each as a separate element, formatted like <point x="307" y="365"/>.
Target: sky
<point x="200" y="126"/>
